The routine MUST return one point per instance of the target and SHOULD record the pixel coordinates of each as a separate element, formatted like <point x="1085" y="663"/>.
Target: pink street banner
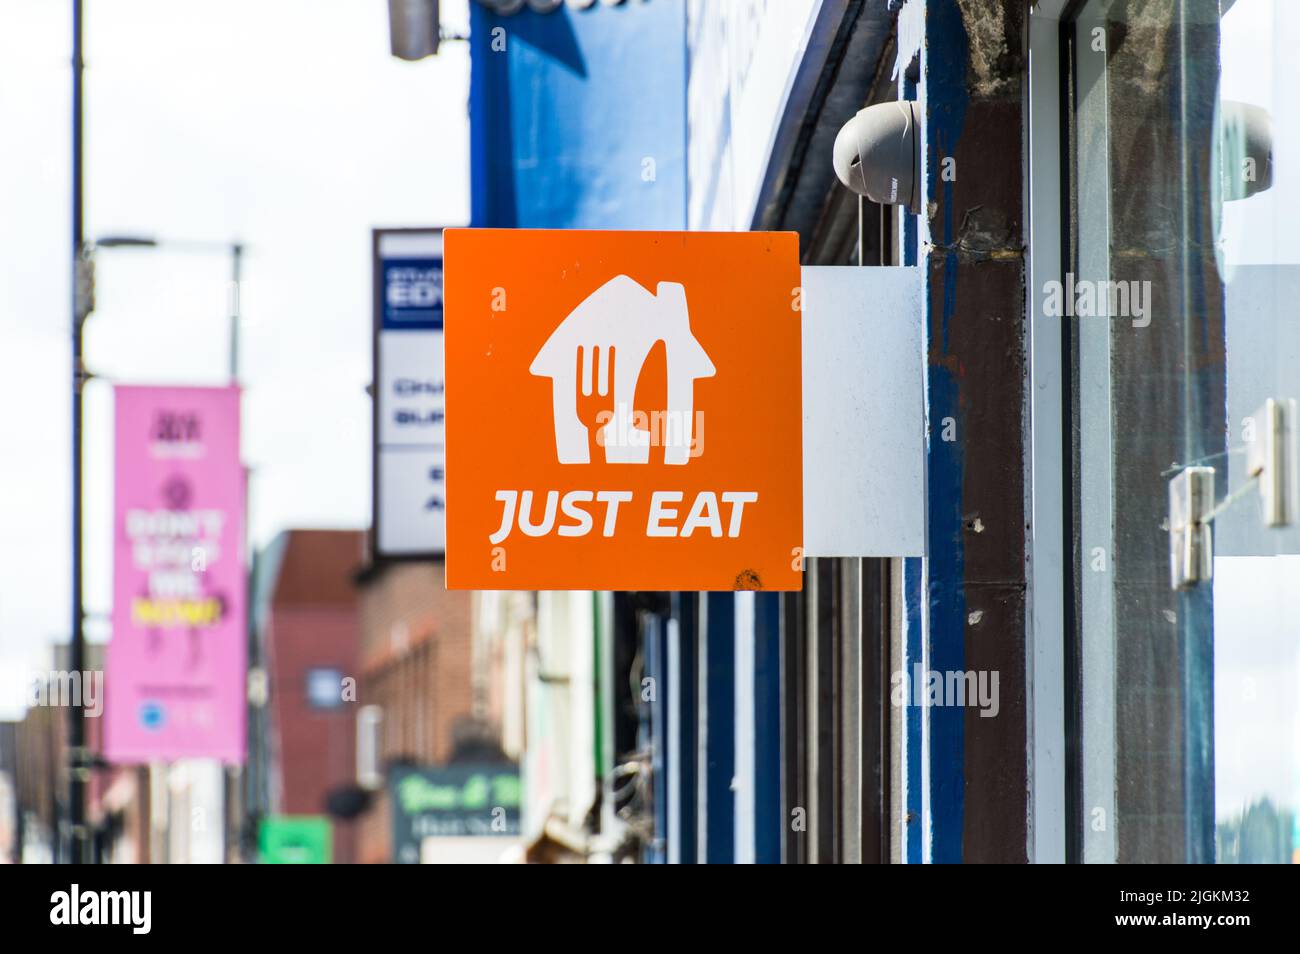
<point x="176" y="663"/>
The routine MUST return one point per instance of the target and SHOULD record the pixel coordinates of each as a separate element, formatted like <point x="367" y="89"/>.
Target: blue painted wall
<point x="943" y="96"/>
<point x="578" y="117"/>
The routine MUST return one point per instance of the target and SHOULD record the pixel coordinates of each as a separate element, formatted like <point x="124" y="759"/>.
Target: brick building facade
<point x="310" y="642"/>
<point x="416" y="665"/>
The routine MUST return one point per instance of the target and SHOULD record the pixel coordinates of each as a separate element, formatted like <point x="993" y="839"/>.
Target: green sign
<point x="425" y="793"/>
<point x="294" y="840"/>
<point x="452" y="801"/>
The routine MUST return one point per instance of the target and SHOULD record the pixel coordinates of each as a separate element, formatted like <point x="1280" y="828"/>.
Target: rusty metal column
<point x="973" y="72"/>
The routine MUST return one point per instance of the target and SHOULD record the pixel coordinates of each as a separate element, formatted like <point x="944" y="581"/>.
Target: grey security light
<point x="877" y="154"/>
<point x="1245" y="149"/>
<point x="413" y="27"/>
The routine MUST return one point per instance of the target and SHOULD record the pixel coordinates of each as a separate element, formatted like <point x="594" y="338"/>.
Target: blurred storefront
<point x="307" y="655"/>
<point x="39" y="773"/>
<point x="416" y="671"/>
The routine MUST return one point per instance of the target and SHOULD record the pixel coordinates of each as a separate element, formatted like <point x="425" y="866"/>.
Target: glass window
<point x="1181" y="286"/>
<point x="324" y="688"/>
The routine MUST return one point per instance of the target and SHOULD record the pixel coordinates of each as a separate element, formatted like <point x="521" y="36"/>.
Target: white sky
<point x="283" y="123"/>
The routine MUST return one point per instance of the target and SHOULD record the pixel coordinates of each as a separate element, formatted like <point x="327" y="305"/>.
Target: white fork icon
<point x="623" y="317"/>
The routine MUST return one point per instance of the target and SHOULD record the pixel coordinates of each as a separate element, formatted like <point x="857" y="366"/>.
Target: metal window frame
<point x="1093" y="647"/>
<point x="1049" y="564"/>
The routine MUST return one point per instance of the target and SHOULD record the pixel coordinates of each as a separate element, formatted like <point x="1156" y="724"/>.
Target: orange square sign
<point x="623" y="410"/>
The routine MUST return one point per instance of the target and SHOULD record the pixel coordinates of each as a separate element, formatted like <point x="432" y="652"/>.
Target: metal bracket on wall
<point x="1191" y="545"/>
<point x="1271" y="459"/>
<point x="1271" y="464"/>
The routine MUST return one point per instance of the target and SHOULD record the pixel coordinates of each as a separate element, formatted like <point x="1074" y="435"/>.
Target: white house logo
<point x="619" y="324"/>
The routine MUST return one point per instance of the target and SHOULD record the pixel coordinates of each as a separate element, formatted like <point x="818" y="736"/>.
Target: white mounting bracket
<point x="1271" y="463"/>
<point x="1271" y="459"/>
<point x="1191" y="544"/>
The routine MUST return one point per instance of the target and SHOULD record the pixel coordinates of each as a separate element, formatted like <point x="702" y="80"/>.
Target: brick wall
<point x="316" y="746"/>
<point x="416" y="665"/>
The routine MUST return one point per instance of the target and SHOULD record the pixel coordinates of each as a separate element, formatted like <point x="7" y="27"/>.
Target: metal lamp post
<point x="79" y="841"/>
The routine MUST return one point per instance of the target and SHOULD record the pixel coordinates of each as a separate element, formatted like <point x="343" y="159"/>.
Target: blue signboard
<point x="412" y="294"/>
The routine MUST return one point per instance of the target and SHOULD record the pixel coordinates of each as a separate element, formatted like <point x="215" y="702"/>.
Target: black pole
<point x="80" y="295"/>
